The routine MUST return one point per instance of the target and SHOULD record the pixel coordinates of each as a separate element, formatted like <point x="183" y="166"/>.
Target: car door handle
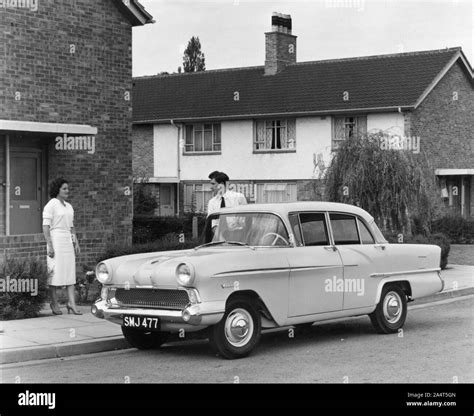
<point x="381" y="246"/>
<point x="330" y="248"/>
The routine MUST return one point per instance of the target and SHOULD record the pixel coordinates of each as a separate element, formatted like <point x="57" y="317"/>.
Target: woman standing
<point x="62" y="245"/>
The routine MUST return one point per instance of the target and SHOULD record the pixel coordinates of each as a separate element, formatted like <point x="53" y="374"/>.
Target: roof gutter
<point x="284" y="114"/>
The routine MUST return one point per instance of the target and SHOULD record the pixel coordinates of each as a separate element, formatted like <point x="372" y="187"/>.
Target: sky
<point x="232" y="31"/>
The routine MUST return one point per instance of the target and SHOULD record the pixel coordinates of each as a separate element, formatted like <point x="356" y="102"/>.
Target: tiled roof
<point x="373" y="82"/>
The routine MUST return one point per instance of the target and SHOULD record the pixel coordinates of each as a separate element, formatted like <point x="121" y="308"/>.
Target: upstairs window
<point x="275" y="135"/>
<point x="203" y="138"/>
<point x="348" y="127"/>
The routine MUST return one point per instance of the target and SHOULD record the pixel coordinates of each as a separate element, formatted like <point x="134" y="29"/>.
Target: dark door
<point x="25" y="192"/>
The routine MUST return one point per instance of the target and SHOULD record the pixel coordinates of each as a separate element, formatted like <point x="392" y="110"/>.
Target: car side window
<point x="344" y="229"/>
<point x="314" y="229"/>
<point x="295" y="228"/>
<point x="365" y="235"/>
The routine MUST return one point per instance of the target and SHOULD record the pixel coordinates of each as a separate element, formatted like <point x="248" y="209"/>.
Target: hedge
<point x="459" y="230"/>
<point x="24" y="288"/>
<point x="149" y="229"/>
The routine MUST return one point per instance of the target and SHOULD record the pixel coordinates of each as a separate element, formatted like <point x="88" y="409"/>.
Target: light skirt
<point x="62" y="267"/>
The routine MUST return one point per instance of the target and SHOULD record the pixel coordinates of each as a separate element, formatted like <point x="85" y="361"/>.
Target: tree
<point x="388" y="183"/>
<point x="193" y="58"/>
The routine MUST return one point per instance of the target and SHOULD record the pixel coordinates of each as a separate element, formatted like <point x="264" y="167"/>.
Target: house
<point x="274" y="128"/>
<point x="65" y="111"/>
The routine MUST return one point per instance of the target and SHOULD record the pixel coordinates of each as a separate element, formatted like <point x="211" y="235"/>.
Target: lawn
<point x="461" y="254"/>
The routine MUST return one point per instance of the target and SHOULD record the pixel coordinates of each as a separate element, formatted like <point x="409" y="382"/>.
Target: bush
<point x="143" y="202"/>
<point x="167" y="243"/>
<point x="437" y="239"/>
<point x="149" y="229"/>
<point x="24" y="288"/>
<point x="459" y="230"/>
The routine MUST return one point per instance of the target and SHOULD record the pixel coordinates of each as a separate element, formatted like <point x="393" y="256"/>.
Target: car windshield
<point x="254" y="229"/>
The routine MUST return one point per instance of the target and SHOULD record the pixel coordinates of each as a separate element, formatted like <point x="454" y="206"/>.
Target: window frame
<point x="216" y="137"/>
<point x="354" y="216"/>
<point x="193" y="185"/>
<point x="286" y="121"/>
<point x="328" y="230"/>
<point x="356" y="124"/>
<point x="294" y="184"/>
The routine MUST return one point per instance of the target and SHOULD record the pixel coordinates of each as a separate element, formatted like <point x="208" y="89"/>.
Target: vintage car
<point x="267" y="266"/>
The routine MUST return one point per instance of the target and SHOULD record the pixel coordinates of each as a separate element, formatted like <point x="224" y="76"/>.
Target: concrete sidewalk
<point x="65" y="335"/>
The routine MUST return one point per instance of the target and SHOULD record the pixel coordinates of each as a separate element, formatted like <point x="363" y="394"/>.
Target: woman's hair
<point x="56" y="186"/>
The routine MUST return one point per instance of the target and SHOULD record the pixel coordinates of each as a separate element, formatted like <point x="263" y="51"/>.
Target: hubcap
<point x="238" y="327"/>
<point x="392" y="307"/>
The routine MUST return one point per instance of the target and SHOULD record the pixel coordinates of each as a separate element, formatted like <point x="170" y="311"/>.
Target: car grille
<point x="152" y="298"/>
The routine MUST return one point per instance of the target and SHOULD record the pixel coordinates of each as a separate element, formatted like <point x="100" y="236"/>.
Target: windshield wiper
<point x="214" y="243"/>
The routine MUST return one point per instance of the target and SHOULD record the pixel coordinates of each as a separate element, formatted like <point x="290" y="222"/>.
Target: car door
<point x="361" y="257"/>
<point x="314" y="264"/>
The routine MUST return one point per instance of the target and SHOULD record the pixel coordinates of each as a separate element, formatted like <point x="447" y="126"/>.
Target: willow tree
<point x="389" y="183"/>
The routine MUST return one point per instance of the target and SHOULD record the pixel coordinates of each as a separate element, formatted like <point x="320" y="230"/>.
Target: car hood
<point x="158" y="269"/>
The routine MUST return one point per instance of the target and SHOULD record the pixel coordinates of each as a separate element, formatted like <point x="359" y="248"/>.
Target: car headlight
<point x="184" y="274"/>
<point x="102" y="273"/>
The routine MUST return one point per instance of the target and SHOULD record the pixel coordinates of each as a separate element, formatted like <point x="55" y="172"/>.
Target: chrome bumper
<point x="200" y="314"/>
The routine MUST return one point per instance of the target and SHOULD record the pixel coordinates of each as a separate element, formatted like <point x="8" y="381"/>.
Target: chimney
<point x="280" y="44"/>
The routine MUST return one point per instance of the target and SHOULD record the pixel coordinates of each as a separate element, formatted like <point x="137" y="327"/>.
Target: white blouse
<point x="58" y="216"/>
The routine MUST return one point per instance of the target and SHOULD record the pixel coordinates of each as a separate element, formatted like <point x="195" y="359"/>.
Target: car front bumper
<point x="193" y="317"/>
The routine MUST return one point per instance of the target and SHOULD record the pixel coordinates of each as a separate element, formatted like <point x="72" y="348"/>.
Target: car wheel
<point x="238" y="332"/>
<point x="143" y="340"/>
<point x="391" y="311"/>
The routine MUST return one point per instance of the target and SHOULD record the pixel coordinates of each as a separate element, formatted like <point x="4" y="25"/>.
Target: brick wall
<point x="142" y="149"/>
<point x="28" y="246"/>
<point x="445" y="125"/>
<point x="71" y="62"/>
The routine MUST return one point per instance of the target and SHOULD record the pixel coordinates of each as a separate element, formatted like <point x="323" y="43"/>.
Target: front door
<point x="167" y="208"/>
<point x="25" y="192"/>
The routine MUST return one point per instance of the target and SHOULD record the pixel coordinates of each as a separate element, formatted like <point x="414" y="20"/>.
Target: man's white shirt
<point x="231" y="198"/>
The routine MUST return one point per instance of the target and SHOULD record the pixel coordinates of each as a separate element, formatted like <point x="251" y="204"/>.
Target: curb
<point x="448" y="294"/>
<point x="119" y="342"/>
<point x="63" y="350"/>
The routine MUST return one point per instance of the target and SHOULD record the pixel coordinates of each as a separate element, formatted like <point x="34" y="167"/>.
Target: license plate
<point x="146" y="323"/>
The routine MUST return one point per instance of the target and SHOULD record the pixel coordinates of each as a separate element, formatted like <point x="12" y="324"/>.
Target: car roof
<point x="285" y="207"/>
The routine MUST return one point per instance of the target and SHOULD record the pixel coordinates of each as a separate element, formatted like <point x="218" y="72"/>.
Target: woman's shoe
<point x="55" y="309"/>
<point x="70" y="308"/>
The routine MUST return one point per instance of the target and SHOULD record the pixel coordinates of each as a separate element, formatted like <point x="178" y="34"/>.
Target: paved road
<point x="436" y="347"/>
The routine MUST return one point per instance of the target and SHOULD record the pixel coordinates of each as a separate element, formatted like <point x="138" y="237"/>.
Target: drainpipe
<point x="179" y="164"/>
<point x="7" y="185"/>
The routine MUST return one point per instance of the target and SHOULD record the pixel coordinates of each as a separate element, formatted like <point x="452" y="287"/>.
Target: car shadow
<point x="196" y="345"/>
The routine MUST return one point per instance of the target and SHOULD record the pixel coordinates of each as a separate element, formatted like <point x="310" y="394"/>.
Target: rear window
<point x="344" y="229"/>
<point x="314" y="230"/>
